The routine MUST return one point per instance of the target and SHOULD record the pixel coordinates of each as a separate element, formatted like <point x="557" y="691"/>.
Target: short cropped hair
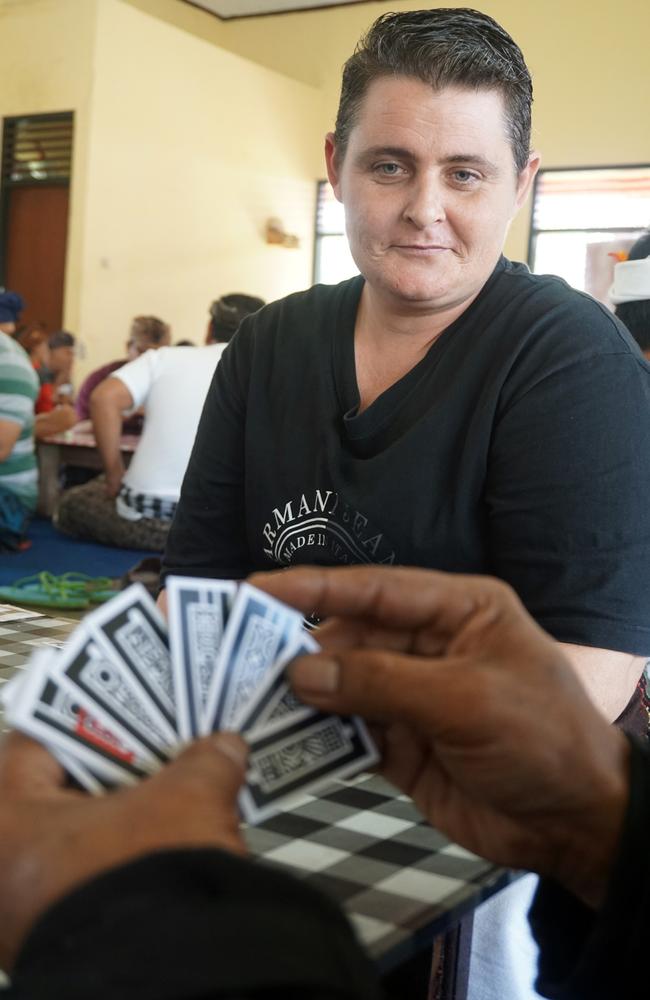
<point x="442" y="47"/>
<point x="641" y="249"/>
<point x="151" y="330"/>
<point x="227" y="313"/>
<point x="62" y="338"/>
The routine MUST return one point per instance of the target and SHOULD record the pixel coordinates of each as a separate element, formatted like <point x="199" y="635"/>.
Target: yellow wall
<point x="191" y="149"/>
<point x="182" y="151"/>
<point x="47" y="50"/>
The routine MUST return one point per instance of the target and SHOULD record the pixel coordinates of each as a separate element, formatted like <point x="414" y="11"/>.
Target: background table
<point x="400" y="882"/>
<point x="76" y="446"/>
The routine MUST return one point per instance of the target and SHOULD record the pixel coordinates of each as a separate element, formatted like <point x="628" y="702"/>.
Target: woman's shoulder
<point x="300" y="314"/>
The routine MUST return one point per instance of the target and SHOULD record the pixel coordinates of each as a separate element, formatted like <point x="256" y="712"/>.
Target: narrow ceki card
<point x="51" y="710"/>
<point x="119" y="692"/>
<point x="133" y="633"/>
<point x="274" y="700"/>
<point x="198" y="612"/>
<point x="258" y="631"/>
<point x="300" y="755"/>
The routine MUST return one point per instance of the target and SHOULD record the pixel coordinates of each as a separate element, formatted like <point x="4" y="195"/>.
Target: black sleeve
<point x="567" y="497"/>
<point x="589" y="956"/>
<point x="193" y="925"/>
<point x="208" y="533"/>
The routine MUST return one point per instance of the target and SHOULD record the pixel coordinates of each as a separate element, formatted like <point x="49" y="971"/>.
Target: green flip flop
<point x="97" y="588"/>
<point x="70" y="590"/>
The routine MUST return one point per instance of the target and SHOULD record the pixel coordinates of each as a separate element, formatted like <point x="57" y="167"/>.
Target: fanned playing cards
<point x="128" y="690"/>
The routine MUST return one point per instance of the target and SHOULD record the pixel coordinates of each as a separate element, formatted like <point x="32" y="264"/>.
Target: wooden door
<point x="37" y="232"/>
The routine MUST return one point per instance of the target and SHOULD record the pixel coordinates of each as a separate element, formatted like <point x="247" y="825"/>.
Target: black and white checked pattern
<point x="9" y="613"/>
<point x="147" y="505"/>
<point x="400" y="882"/>
<point x="22" y="635"/>
<point x="23" y="631"/>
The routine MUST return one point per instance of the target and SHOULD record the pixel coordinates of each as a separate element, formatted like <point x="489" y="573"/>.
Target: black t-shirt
<point x="515" y="447"/>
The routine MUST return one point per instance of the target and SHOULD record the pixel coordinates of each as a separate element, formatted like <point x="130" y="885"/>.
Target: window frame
<point x="319" y="235"/>
<point x="534" y="232"/>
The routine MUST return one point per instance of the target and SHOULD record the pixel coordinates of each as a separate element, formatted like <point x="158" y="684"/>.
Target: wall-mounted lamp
<point x="276" y="234"/>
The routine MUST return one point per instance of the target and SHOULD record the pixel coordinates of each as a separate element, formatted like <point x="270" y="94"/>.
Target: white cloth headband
<point x="631" y="281"/>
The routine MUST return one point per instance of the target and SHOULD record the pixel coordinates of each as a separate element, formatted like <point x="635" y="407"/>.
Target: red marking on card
<point x="94" y="733"/>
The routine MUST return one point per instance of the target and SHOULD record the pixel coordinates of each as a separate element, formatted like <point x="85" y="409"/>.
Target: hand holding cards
<point x="128" y="691"/>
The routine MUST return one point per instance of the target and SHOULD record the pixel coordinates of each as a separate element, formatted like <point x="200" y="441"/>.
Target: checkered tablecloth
<point x="400" y="881"/>
<point x="21" y="632"/>
<point x="9" y="613"/>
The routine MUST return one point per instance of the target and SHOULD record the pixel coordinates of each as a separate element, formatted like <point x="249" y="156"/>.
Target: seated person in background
<point x="630" y="292"/>
<point x="227" y="313"/>
<point x="62" y="354"/>
<point x="477" y="714"/>
<point x="11" y="306"/>
<point x="33" y="339"/>
<point x="134" y="509"/>
<point x="52" y="414"/>
<point x="18" y="470"/>
<point x="146" y="333"/>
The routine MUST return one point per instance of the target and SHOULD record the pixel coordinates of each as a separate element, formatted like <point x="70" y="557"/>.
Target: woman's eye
<point x="389" y="169"/>
<point x="465" y="176"/>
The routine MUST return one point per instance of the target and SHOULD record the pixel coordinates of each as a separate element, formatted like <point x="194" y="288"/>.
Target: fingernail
<point x="315" y="674"/>
<point x="233" y="747"/>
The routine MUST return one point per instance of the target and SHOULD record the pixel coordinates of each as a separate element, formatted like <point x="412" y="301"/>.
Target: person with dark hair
<point x="11" y="306"/>
<point x="55" y="375"/>
<point x="62" y="354"/>
<point x="53" y="413"/>
<point x="446" y="408"/>
<point x="630" y="292"/>
<point x="443" y="48"/>
<point x="147" y="333"/>
<point x="227" y="313"/>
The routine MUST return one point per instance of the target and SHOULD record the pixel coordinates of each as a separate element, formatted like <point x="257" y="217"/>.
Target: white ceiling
<point x="252" y="8"/>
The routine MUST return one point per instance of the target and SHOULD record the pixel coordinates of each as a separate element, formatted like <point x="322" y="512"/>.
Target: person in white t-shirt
<point x="133" y="508"/>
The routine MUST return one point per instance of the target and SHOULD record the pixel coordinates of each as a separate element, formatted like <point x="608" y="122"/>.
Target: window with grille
<point x="582" y="218"/>
<point x="37" y="148"/>
<point x="332" y="258"/>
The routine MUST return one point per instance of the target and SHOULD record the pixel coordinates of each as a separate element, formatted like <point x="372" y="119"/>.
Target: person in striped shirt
<point x="18" y="391"/>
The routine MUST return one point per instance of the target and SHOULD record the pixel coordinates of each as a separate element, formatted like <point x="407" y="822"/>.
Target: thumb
<point x="381" y="685"/>
<point x="27" y="768"/>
